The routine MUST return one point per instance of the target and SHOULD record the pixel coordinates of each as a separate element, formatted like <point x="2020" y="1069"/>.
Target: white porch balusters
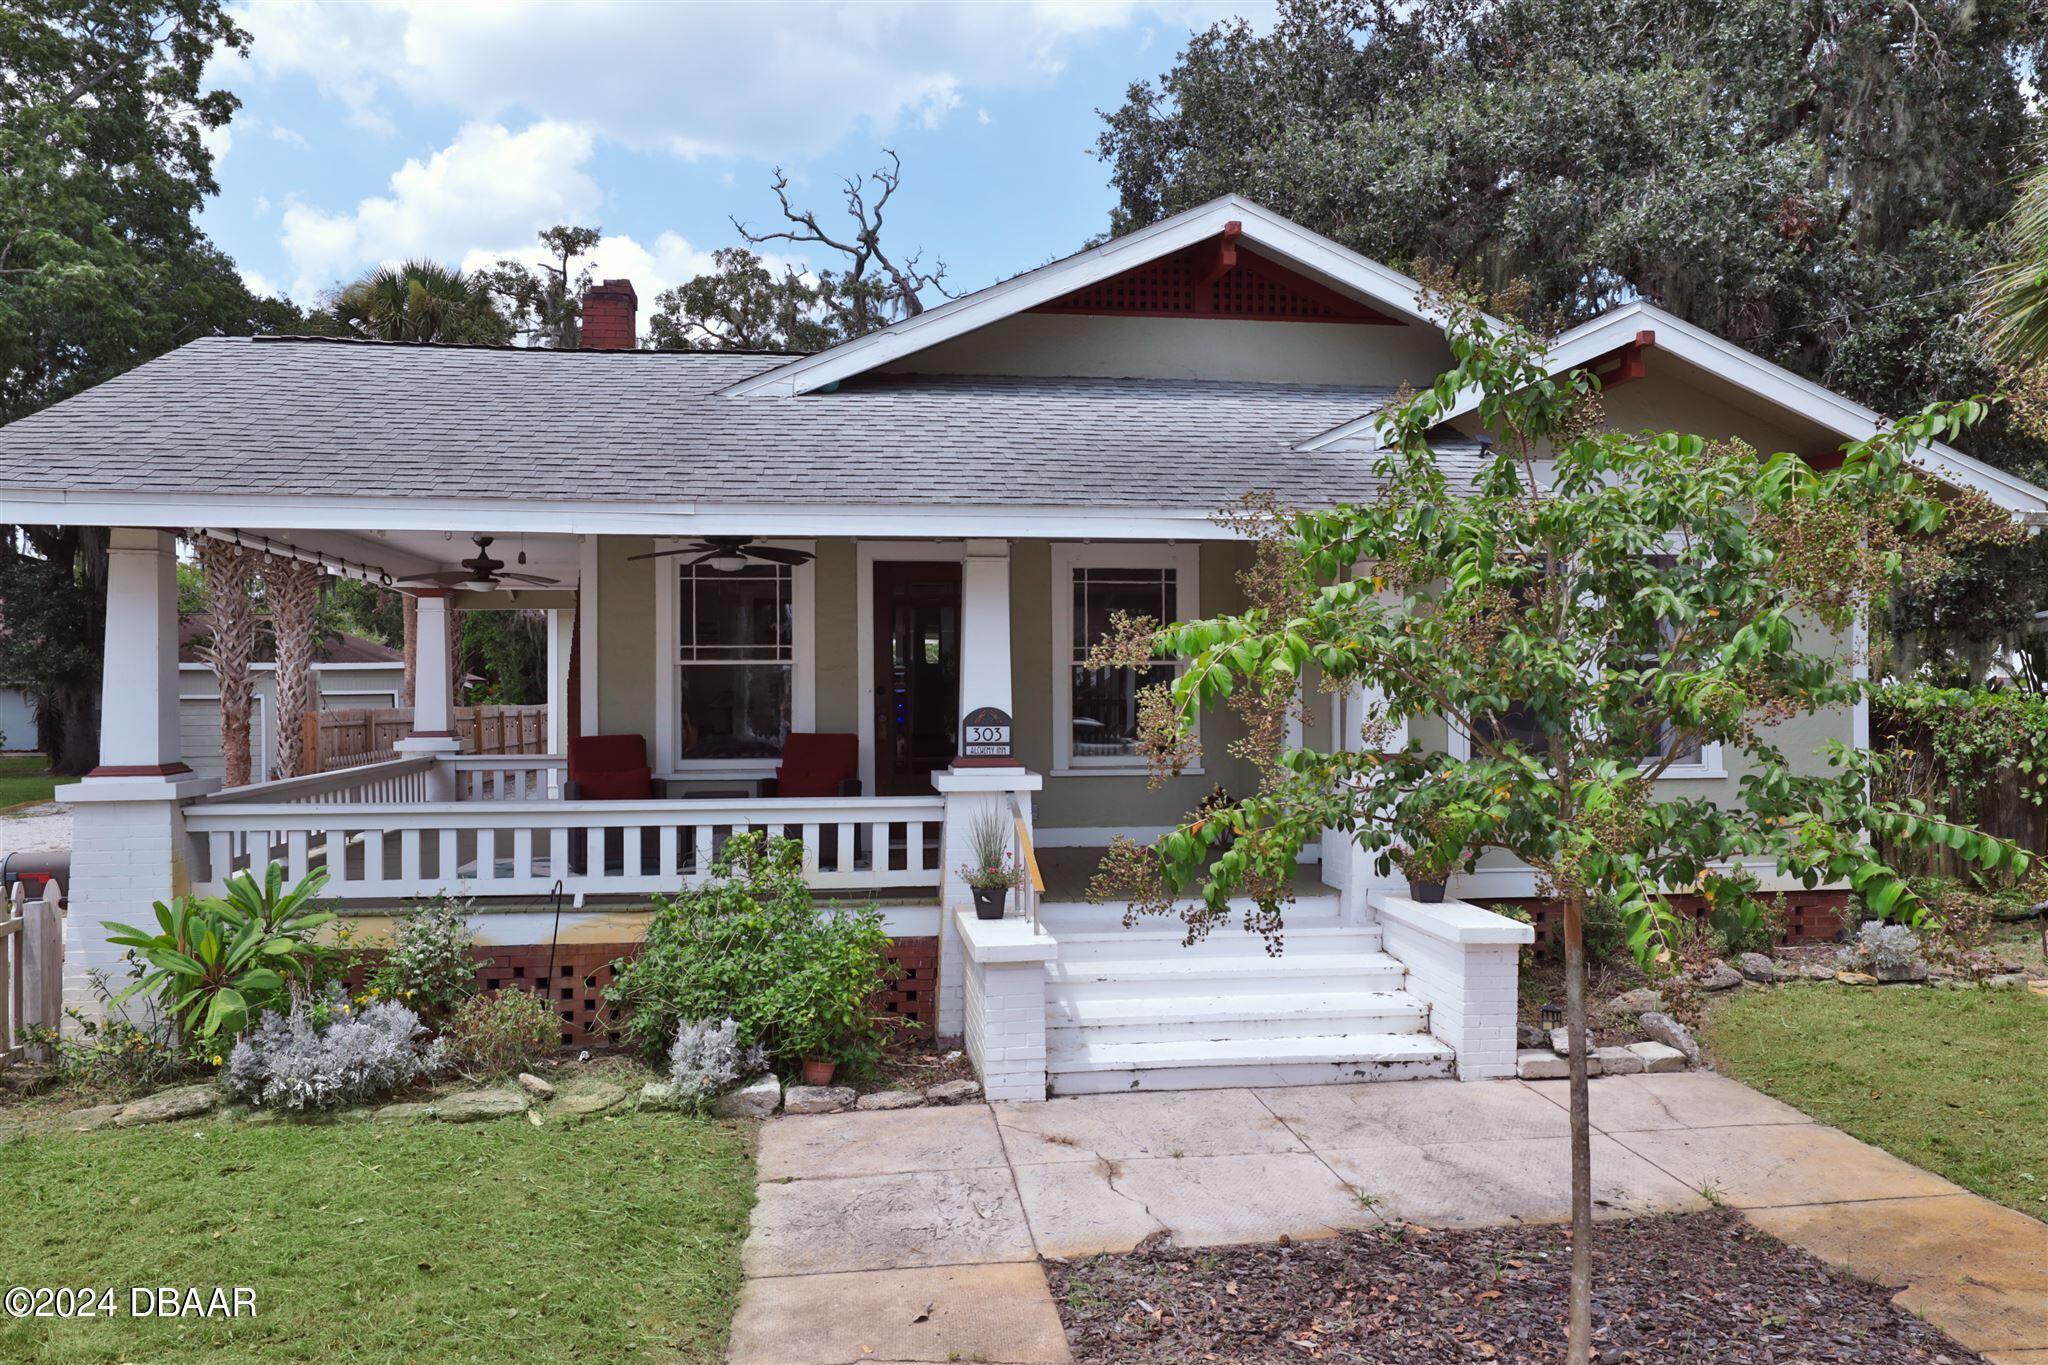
<point x="128" y="843"/>
<point x="433" y="705"/>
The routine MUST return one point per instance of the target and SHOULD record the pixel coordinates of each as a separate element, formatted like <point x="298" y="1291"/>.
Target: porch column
<point x="985" y="627"/>
<point x="433" y="704"/>
<point x="561" y="645"/>
<point x="971" y="793"/>
<point x="128" y="841"/>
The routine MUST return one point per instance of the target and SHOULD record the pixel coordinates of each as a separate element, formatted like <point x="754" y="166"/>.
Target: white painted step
<point x="1234" y="1015"/>
<point x="1138" y="944"/>
<point x="1087" y="1066"/>
<point x="1180" y="976"/>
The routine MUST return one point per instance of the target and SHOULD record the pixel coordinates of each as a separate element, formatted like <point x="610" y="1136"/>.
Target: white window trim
<point x="1184" y="560"/>
<point x="803" y="667"/>
<point x="1709" y="767"/>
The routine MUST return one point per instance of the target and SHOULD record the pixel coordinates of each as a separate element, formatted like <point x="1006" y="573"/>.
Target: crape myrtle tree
<point x="1592" y="607"/>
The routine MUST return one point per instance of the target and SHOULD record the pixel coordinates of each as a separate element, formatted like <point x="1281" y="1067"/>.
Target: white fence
<point x="31" y="968"/>
<point x="509" y="833"/>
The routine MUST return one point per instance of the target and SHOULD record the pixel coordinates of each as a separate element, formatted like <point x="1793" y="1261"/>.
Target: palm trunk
<point x="1579" y="1335"/>
<point x="226" y="569"/>
<point x="409" y="614"/>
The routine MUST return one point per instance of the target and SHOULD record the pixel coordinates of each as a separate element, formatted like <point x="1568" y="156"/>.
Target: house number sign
<point x="987" y="733"/>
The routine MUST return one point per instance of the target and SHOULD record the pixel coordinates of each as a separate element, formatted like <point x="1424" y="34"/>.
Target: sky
<point x="384" y="130"/>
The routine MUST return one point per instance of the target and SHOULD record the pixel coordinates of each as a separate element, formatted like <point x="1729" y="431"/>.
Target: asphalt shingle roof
<point x="308" y="417"/>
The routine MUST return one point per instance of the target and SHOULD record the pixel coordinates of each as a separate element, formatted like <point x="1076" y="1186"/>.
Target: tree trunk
<point x="68" y="729"/>
<point x="226" y="568"/>
<point x="409" y="613"/>
<point x="1579" y="1335"/>
<point x="292" y="588"/>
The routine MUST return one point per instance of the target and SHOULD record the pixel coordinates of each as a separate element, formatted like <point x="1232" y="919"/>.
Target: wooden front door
<point x="917" y="673"/>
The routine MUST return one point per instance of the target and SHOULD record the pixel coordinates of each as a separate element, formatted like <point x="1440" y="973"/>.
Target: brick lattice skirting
<point x="1810" y="916"/>
<point x="580" y="972"/>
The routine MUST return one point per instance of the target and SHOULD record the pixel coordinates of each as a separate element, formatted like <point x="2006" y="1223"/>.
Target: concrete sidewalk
<point x="914" y="1234"/>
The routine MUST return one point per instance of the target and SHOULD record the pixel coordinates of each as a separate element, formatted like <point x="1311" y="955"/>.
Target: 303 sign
<point x="985" y="733"/>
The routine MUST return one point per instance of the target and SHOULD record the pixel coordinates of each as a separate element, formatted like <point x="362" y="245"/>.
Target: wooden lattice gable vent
<point x="1217" y="278"/>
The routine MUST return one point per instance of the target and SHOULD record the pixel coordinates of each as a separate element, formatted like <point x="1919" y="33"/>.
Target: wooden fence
<point x="31" y="969"/>
<point x="2001" y="802"/>
<point x="349" y="739"/>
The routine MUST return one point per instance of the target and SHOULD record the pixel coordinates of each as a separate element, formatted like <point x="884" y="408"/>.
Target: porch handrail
<point x="1034" y="886"/>
<point x="386" y="780"/>
<point x="399" y="849"/>
<point x="507" y="777"/>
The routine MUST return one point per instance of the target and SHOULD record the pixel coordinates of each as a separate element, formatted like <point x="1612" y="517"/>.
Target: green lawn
<point x="1953" y="1081"/>
<point x="25" y="778"/>
<point x="599" y="1241"/>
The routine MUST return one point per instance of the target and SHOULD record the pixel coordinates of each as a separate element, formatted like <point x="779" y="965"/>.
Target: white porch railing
<point x="501" y="841"/>
<point x="394" y="779"/>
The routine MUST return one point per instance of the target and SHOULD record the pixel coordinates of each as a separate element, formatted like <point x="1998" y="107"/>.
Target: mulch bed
<point x="1694" y="1287"/>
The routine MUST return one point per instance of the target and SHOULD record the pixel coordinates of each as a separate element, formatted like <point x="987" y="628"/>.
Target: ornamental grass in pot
<point x="992" y="870"/>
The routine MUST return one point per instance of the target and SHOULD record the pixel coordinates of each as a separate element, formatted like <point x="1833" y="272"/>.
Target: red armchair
<point x="609" y="768"/>
<point x="816" y="765"/>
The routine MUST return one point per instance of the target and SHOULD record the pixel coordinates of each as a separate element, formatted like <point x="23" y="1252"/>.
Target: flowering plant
<point x="990" y="864"/>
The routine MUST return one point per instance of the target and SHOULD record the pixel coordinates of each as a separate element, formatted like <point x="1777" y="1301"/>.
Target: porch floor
<point x="1067" y="872"/>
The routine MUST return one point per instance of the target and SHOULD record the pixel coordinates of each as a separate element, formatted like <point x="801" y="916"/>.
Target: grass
<point x="26" y="778"/>
<point x="598" y="1241"/>
<point x="1952" y="1081"/>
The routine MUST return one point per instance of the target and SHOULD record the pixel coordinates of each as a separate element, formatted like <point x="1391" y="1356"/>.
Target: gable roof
<point x="486" y="428"/>
<point x="1752" y="374"/>
<point x="1289" y="243"/>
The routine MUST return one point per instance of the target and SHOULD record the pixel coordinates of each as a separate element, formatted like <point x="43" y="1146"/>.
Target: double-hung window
<point x="1095" y="710"/>
<point x="733" y="652"/>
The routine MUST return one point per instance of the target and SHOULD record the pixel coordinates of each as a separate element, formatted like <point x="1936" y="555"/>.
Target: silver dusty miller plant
<point x="707" y="1057"/>
<point x="1881" y="947"/>
<point x="292" y="1062"/>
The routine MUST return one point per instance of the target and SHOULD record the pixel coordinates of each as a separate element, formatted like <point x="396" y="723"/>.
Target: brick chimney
<point x="611" y="317"/>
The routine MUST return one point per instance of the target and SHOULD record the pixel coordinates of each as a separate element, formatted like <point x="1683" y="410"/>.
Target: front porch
<point x="713" y="664"/>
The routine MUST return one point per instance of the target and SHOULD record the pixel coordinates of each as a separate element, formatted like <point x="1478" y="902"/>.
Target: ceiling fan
<point x="477" y="574"/>
<point x="729" y="554"/>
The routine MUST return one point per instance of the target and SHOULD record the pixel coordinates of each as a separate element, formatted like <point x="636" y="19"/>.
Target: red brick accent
<point x="1810" y="916"/>
<point x="611" y="317"/>
<point x="581" y="971"/>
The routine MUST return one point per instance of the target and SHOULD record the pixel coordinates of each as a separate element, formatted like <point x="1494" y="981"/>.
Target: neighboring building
<point x="937" y="519"/>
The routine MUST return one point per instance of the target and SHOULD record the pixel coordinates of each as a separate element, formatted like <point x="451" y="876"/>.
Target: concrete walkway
<point x="914" y="1235"/>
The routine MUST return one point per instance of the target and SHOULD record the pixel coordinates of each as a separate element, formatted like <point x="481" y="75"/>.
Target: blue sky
<point x="377" y="131"/>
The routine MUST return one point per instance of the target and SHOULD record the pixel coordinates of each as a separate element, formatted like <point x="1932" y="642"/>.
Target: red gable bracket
<point x="1624" y="364"/>
<point x="1219" y="278"/>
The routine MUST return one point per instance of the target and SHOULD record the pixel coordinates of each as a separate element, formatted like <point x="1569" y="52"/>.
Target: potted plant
<point x="1429" y="862"/>
<point x="992" y="871"/>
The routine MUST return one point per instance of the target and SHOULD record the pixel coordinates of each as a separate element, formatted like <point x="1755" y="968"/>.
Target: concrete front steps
<point x="1136" y="1009"/>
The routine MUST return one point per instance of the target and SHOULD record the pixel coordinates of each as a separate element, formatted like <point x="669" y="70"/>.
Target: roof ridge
<point x="305" y="337"/>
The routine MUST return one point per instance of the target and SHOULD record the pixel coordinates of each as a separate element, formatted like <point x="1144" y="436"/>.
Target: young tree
<point x="546" y="305"/>
<point x="1591" y="609"/>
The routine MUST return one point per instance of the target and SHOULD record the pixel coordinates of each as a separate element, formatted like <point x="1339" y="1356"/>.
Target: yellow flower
<point x="216" y="1059"/>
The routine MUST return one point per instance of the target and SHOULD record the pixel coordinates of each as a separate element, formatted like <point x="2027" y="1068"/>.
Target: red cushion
<point x="621" y="784"/>
<point x="815" y="765"/>
<point x="605" y="753"/>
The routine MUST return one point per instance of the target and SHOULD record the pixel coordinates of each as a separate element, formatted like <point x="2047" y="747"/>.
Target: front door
<point x="917" y="673"/>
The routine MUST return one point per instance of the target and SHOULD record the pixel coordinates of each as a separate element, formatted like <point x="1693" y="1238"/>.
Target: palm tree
<point x="2012" y="297"/>
<point x="422" y="301"/>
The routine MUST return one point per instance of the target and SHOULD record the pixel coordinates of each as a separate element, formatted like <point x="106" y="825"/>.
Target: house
<point x="349" y="671"/>
<point x="873" y="542"/>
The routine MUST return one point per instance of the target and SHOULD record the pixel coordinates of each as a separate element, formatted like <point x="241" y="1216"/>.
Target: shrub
<point x="216" y="962"/>
<point x="500" y="1032"/>
<point x="117" y="1052"/>
<point x="706" y="1058"/>
<point x="1882" y="947"/>
<point x="751" y="944"/>
<point x="295" y="1061"/>
<point x="431" y="965"/>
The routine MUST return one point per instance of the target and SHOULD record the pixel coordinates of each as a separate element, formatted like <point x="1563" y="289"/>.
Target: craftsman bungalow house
<point x="779" y="584"/>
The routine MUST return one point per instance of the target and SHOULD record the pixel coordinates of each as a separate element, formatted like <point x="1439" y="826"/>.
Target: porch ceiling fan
<point x="729" y="554"/>
<point x="480" y="573"/>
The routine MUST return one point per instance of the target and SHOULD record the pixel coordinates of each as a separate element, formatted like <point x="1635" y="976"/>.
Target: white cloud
<point x="767" y="80"/>
<point x="981" y="116"/>
<point x="489" y="184"/>
<point x="258" y="283"/>
<point x="290" y="137"/>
